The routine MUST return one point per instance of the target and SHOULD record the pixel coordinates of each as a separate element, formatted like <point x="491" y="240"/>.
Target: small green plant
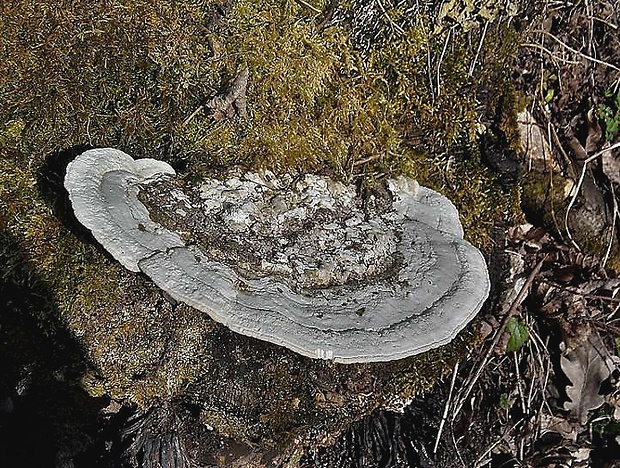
<point x="549" y="87"/>
<point x="604" y="423"/>
<point x="504" y="401"/>
<point x="609" y="112"/>
<point x="518" y="334"/>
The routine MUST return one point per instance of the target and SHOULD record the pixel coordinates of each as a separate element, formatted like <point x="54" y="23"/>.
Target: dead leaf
<point x="594" y="132"/>
<point x="610" y="162"/>
<point x="534" y="143"/>
<point x="562" y="426"/>
<point x="113" y="408"/>
<point x="329" y="400"/>
<point x="582" y="454"/>
<point x="485" y="330"/>
<point x="234" y="102"/>
<point x="614" y="402"/>
<point x="586" y="366"/>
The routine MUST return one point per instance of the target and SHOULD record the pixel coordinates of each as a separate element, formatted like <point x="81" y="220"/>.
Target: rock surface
<point x="305" y="263"/>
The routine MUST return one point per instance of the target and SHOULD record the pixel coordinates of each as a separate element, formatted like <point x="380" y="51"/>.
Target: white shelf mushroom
<point x="299" y="263"/>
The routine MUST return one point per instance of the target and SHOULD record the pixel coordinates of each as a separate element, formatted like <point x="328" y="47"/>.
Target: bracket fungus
<point x="303" y="262"/>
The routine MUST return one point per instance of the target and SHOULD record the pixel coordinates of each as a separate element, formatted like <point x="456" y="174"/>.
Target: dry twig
<point x="444" y="417"/>
<point x="575" y="51"/>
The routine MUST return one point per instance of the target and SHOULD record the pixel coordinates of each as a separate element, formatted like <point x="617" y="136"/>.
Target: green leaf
<point x="549" y="95"/>
<point x="518" y="334"/>
<point x="504" y="402"/>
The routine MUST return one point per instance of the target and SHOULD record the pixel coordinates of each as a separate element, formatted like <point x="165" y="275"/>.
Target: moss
<point x="227" y="425"/>
<point x="131" y="84"/>
<point x="129" y="74"/>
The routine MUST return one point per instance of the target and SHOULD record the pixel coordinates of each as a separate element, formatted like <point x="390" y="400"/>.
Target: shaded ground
<point x="516" y="408"/>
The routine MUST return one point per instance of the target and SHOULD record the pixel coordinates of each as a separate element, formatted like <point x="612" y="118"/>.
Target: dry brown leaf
<point x="594" y="132"/>
<point x="614" y="402"/>
<point x="562" y="426"/>
<point x="534" y="143"/>
<point x="582" y="454"/>
<point x="234" y="102"/>
<point x="113" y="408"/>
<point x="610" y="162"/>
<point x="613" y="399"/>
<point x="586" y="366"/>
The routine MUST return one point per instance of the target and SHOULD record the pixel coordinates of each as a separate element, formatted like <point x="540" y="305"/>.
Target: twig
<point x="484" y="33"/>
<point x="307" y="5"/>
<point x="548" y="52"/>
<point x="608" y="327"/>
<point x="90" y="141"/>
<point x="519" y="383"/>
<point x="359" y="162"/>
<point x="443" y="52"/>
<point x="611" y="25"/>
<point x="444" y="417"/>
<point x="558" y="144"/>
<point x="387" y="17"/>
<point x="541" y="350"/>
<point x="535" y="340"/>
<point x="580" y="293"/>
<point x="578" y="188"/>
<point x="429" y="69"/>
<point x="551" y="129"/>
<point x="590" y="25"/>
<point x="456" y="448"/>
<point x="498" y="333"/>
<point x="192" y="115"/>
<point x="613" y="225"/>
<point x="375" y="174"/>
<point x="496" y="443"/>
<point x="575" y="51"/>
<point x="533" y="359"/>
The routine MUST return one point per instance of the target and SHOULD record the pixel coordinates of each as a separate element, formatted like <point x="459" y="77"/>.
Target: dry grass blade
<point x="444" y="417"/>
<point x="581" y="54"/>
<point x="553" y="56"/>
<point x="481" y="460"/>
<point x="307" y="5"/>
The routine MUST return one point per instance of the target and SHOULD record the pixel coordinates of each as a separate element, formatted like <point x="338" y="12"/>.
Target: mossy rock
<point x="546" y="197"/>
<point x="130" y="75"/>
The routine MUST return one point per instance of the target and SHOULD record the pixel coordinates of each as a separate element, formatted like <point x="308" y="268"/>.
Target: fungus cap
<point x="303" y="263"/>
